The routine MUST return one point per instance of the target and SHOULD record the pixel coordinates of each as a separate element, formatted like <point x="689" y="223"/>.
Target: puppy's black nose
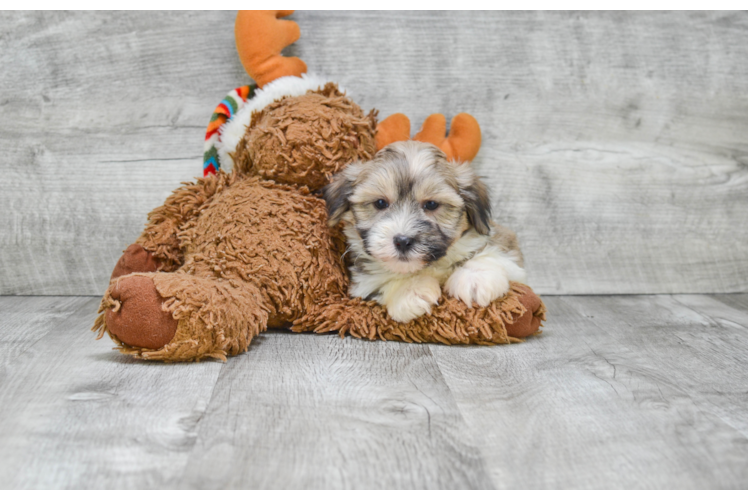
<point x="403" y="243"/>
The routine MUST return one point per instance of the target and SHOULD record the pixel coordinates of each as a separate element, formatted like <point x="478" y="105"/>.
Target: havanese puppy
<point x="414" y="223"/>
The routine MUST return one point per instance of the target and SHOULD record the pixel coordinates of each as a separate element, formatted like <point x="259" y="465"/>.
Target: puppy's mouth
<point x="403" y="264"/>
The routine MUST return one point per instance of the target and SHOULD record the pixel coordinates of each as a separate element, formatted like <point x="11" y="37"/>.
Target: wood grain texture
<point x="726" y="317"/>
<point x="619" y="392"/>
<point x="735" y="300"/>
<point x="76" y="414"/>
<point x="614" y="143"/>
<point x="24" y="321"/>
<point x="302" y="411"/>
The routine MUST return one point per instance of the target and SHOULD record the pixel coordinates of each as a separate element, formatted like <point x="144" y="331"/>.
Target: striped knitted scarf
<point x="229" y="106"/>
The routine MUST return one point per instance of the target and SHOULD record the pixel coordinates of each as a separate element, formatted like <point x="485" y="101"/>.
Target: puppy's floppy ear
<point x="336" y="196"/>
<point x="475" y="194"/>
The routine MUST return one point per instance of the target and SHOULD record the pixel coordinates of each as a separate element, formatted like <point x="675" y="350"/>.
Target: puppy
<point x="414" y="223"/>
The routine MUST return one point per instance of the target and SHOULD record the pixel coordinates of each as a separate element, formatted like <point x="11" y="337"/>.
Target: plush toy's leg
<point x="180" y="317"/>
<point x="260" y="37"/>
<point x="164" y="223"/>
<point x="517" y="315"/>
<point x="529" y="322"/>
<point x="137" y="316"/>
<point x="135" y="259"/>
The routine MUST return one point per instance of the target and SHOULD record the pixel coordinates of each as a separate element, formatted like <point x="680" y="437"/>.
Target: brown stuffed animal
<point x="232" y="254"/>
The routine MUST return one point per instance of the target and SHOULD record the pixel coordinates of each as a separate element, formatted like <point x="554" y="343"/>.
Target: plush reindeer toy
<point x="248" y="247"/>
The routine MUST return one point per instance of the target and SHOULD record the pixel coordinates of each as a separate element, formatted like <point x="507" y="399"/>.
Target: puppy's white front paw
<point x="413" y="298"/>
<point x="477" y="284"/>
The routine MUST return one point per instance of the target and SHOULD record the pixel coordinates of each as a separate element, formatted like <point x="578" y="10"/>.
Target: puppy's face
<point x="408" y="204"/>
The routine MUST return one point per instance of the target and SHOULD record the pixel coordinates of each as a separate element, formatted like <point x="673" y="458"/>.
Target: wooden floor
<point x="647" y="391"/>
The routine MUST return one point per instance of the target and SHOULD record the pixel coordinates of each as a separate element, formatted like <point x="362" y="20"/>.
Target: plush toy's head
<point x="306" y="139"/>
<point x="294" y="128"/>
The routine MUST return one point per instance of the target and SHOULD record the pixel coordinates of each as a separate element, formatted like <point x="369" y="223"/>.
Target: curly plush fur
<point x="231" y="255"/>
<point x="304" y="140"/>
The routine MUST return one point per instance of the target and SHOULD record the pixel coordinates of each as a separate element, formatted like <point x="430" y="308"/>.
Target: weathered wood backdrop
<point x="616" y="144"/>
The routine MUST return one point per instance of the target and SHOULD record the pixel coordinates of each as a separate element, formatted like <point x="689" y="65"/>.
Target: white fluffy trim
<point x="233" y="130"/>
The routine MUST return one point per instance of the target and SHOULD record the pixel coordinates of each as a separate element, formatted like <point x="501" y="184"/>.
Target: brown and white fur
<point x="414" y="223"/>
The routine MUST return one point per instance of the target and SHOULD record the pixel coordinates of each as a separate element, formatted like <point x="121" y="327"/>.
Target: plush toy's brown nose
<point x="403" y="243"/>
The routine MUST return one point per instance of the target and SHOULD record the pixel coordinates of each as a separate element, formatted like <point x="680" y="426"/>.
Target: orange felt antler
<point x="462" y="143"/>
<point x="394" y="128"/>
<point x="260" y="37"/>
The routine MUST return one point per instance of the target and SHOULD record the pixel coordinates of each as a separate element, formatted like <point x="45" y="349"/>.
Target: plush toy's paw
<point x="475" y="283"/>
<point x="529" y="322"/>
<point x="413" y="298"/>
<point x="138" y="319"/>
<point x="135" y="259"/>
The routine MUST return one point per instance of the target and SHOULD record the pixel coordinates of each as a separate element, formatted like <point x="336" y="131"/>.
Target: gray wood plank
<point x="26" y="320"/>
<point x="734" y="300"/>
<point x="729" y="324"/>
<point x="619" y="392"/>
<point x="76" y="414"/>
<point x="614" y="143"/>
<point x="703" y="349"/>
<point x="303" y="411"/>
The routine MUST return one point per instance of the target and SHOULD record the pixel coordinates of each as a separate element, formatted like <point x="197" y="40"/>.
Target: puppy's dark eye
<point x="430" y="205"/>
<point x="381" y="204"/>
